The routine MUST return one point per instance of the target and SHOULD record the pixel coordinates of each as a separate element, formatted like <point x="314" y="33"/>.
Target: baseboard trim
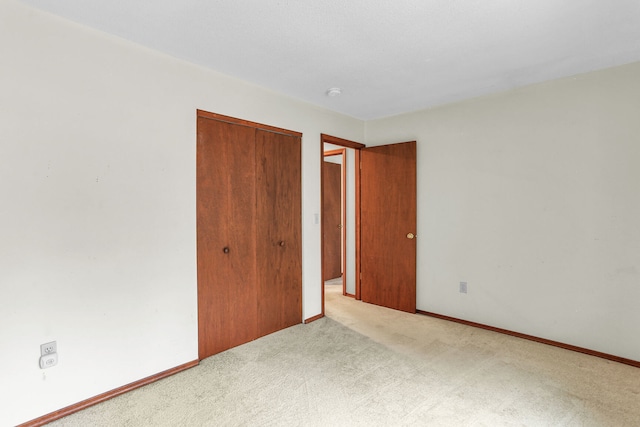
<point x="595" y="353"/>
<point x="45" y="419"/>
<point x="314" y="318"/>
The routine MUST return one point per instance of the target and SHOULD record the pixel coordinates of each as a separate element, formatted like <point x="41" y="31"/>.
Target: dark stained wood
<point x="611" y="357"/>
<point x="339" y="151"/>
<point x="225" y="194"/>
<point x="241" y="122"/>
<point x="340" y="141"/>
<point x="314" y="318"/>
<point x="56" y="415"/>
<point x="388" y="214"/>
<point x="249" y="231"/>
<point x="321" y="231"/>
<point x="332" y="220"/>
<point x="358" y="294"/>
<point x="343" y="220"/>
<point x="279" y="231"/>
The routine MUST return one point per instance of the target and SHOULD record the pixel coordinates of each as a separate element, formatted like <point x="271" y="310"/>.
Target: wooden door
<point x="388" y="226"/>
<point x="278" y="236"/>
<point x="226" y="228"/>
<point x="332" y="220"/>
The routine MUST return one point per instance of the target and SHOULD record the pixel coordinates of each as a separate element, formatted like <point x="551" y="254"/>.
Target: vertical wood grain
<point x="358" y="226"/>
<point x="331" y="219"/>
<point x="279" y="231"/>
<point x="225" y="219"/>
<point x="388" y="214"/>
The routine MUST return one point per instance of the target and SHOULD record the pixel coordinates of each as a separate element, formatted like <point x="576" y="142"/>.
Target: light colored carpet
<point x="336" y="281"/>
<point x="364" y="365"/>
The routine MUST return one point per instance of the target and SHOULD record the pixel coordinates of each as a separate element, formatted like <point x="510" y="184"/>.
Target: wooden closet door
<point x="226" y="221"/>
<point x="278" y="236"/>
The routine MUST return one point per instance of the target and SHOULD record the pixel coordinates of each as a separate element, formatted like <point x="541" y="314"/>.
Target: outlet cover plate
<point x="48" y="348"/>
<point x="48" y="360"/>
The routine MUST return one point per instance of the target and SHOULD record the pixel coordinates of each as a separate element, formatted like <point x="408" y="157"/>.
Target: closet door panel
<point x="278" y="236"/>
<point x="226" y="221"/>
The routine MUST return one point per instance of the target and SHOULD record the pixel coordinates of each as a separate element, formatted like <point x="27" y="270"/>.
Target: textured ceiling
<point x="388" y="57"/>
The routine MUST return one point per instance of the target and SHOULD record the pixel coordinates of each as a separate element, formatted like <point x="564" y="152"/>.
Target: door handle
<point x="411" y="236"/>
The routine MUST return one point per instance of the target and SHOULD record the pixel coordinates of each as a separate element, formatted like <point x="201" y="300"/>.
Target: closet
<point x="249" y="247"/>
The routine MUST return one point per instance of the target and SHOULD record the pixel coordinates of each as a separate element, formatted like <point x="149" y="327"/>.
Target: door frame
<point x="343" y="213"/>
<point x="356" y="146"/>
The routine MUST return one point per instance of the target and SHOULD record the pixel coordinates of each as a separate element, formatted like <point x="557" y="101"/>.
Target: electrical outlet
<point x="48" y="360"/>
<point x="48" y="348"/>
<point x="463" y="287"/>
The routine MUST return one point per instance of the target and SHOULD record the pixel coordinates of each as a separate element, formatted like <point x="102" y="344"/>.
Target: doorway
<point x="384" y="223"/>
<point x="347" y="153"/>
<point x="334" y="224"/>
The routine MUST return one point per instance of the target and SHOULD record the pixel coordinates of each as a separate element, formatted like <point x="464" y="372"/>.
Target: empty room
<point x="163" y="220"/>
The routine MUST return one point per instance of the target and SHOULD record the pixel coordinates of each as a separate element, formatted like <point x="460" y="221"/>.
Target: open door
<point x="332" y="220"/>
<point x="388" y="225"/>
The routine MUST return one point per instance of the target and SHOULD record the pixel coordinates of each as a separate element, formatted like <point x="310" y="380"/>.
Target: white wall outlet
<point x="463" y="287"/>
<point x="48" y="360"/>
<point x="48" y="348"/>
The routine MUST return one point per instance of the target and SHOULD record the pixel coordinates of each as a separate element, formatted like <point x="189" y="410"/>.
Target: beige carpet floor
<point x="364" y="365"/>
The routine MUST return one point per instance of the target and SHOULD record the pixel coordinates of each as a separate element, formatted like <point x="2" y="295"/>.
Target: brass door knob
<point x="411" y="236"/>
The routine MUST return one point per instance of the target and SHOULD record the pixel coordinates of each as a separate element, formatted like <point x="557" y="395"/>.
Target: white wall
<point x="530" y="196"/>
<point x="97" y="220"/>
<point x="533" y="197"/>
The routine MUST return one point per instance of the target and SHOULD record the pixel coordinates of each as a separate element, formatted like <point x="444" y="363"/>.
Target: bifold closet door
<point x="226" y="221"/>
<point x="278" y="234"/>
